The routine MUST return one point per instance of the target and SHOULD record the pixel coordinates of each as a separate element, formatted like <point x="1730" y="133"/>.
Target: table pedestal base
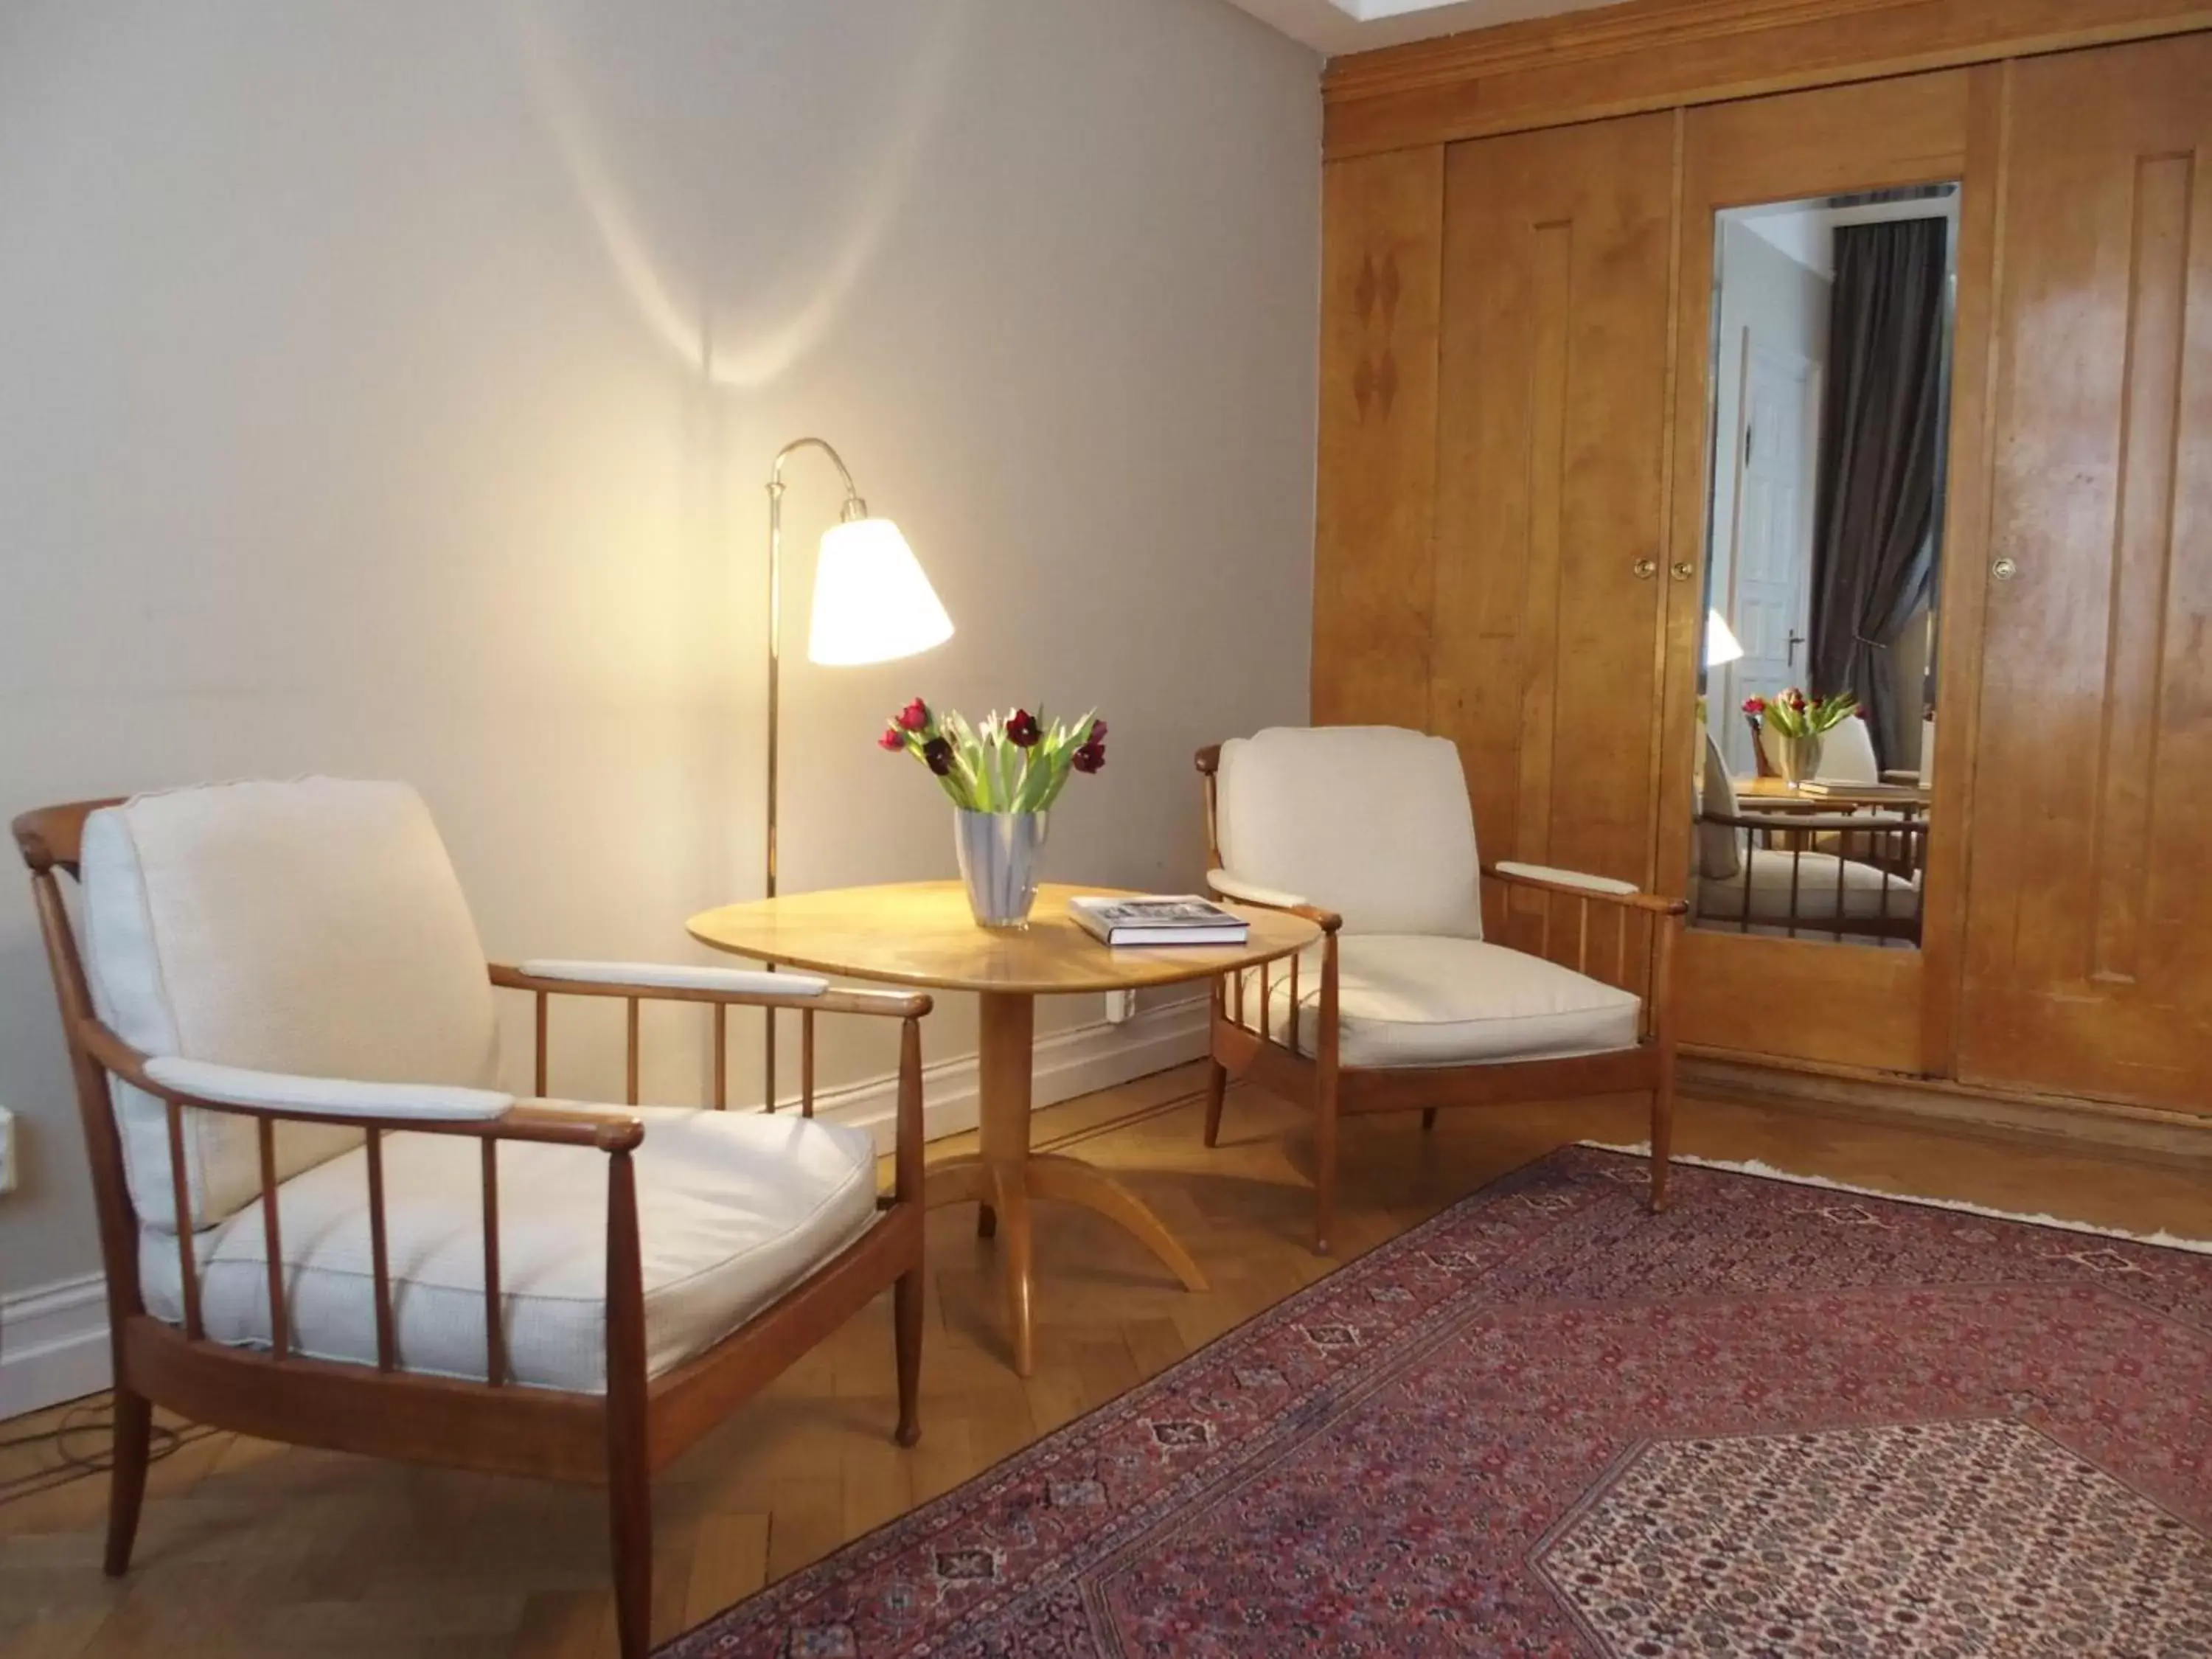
<point x="1004" y="1177"/>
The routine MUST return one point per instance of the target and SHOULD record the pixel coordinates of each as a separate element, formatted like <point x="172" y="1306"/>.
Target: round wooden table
<point x="921" y="933"/>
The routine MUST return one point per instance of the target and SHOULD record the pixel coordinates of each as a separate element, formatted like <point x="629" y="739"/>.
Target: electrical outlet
<point x="1120" y="1007"/>
<point x="7" y="1151"/>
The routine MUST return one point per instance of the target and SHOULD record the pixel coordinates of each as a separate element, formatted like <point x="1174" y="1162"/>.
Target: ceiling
<point x="1333" y="27"/>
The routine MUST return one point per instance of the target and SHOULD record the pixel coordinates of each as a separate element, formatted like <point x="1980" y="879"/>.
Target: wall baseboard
<point x="53" y="1339"/>
<point x="1067" y="1064"/>
<point x="53" y="1344"/>
<point x="2097" y="1126"/>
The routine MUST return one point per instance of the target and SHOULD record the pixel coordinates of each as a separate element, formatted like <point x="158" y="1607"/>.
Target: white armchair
<point x="323" y="1220"/>
<point x="1405" y="1004"/>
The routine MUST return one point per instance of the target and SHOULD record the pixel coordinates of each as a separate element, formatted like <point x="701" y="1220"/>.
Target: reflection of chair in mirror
<point x="1847" y="753"/>
<point x="1761" y="872"/>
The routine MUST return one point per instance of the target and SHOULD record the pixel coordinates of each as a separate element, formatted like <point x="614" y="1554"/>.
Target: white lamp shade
<point x="872" y="602"/>
<point x="1722" y="644"/>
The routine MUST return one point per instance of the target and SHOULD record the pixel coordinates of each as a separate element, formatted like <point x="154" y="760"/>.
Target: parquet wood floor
<point x="252" y="1551"/>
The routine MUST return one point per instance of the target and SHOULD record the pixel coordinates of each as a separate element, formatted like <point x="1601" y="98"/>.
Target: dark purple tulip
<point x="938" y="754"/>
<point x="1091" y="757"/>
<point x="1022" y="729"/>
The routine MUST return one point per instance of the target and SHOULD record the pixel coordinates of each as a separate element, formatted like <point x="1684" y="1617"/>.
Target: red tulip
<point x="1754" y="705"/>
<point x="891" y="739"/>
<point x="1022" y="729"/>
<point x="914" y="717"/>
<point x="1798" y="702"/>
<point x="1091" y="757"/>
<point x="1097" y="732"/>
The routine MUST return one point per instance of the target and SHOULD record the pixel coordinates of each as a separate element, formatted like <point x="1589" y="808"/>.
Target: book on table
<point x="1165" y="919"/>
<point x="1843" y="786"/>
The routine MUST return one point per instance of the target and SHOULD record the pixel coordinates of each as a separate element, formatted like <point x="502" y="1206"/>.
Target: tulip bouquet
<point x="1017" y="763"/>
<point x="1794" y="714"/>
<point x="1799" y="723"/>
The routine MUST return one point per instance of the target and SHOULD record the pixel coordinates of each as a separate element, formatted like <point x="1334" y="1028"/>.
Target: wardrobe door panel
<point x="2089" y="937"/>
<point x="1551" y="431"/>
<point x="1381" y="229"/>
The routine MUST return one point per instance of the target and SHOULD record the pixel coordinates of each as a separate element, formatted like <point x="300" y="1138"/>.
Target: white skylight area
<point x="1332" y="26"/>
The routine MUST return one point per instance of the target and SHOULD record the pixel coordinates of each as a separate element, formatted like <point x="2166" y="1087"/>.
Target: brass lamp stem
<point x="854" y="507"/>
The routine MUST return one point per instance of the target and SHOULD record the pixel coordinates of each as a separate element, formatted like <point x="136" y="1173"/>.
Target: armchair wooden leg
<point x="1428" y="1118"/>
<point x="1216" y="1085"/>
<point x="126" y="1488"/>
<point x="629" y="1503"/>
<point x="630" y="1466"/>
<point x="906" y="1320"/>
<point x="1662" y="1138"/>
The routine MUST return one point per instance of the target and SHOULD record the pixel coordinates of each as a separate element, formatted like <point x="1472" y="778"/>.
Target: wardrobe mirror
<point x="1830" y="383"/>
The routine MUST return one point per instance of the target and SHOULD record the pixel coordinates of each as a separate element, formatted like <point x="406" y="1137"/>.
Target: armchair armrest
<point x="323" y="1096"/>
<point x="1511" y="871"/>
<point x="1542" y="879"/>
<point x="664" y="982"/>
<point x="668" y="976"/>
<point x="1251" y="892"/>
<point x="1237" y="891"/>
<point x="485" y="1113"/>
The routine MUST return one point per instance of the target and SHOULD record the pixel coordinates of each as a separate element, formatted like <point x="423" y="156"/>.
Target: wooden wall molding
<point x="2136" y="1132"/>
<point x="1657" y="54"/>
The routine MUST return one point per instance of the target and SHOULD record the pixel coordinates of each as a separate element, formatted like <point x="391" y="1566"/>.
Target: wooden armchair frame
<point x="618" y="1438"/>
<point x="1336" y="1090"/>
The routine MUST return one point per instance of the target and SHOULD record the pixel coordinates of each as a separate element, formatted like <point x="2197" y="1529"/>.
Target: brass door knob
<point x="1682" y="570"/>
<point x="1646" y="569"/>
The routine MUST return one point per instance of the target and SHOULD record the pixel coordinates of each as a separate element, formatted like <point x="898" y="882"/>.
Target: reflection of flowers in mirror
<point x="1794" y="714"/>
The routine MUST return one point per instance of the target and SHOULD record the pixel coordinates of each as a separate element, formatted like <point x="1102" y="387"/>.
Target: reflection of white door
<point x="1770" y="603"/>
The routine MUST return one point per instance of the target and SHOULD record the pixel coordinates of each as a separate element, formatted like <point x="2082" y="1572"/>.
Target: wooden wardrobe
<point x="1515" y="444"/>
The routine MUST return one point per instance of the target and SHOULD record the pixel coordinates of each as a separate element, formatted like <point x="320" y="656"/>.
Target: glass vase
<point x="1798" y="758"/>
<point x="998" y="864"/>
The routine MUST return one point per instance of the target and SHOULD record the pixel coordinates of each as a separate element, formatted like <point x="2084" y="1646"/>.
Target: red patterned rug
<point x="1780" y="1420"/>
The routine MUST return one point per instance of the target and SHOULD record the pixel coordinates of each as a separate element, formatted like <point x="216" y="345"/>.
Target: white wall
<point x="388" y="387"/>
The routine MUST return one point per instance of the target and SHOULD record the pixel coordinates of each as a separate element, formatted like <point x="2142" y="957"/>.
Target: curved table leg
<point x="963" y="1179"/>
<point x="1004" y="1178"/>
<point x="1010" y="1189"/>
<point x="1071" y="1181"/>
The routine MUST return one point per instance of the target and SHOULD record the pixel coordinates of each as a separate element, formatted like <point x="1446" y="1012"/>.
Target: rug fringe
<point x="1768" y="1172"/>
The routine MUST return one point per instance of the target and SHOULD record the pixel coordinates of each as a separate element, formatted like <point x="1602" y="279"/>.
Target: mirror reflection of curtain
<point x="1881" y="466"/>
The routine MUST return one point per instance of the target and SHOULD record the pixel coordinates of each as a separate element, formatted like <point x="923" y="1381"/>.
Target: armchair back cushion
<point x="1846" y="751"/>
<point x="314" y="926"/>
<point x="1720" y="846"/>
<point x="1369" y="821"/>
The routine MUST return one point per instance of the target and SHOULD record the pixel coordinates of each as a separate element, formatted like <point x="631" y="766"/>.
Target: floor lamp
<point x="871" y="604"/>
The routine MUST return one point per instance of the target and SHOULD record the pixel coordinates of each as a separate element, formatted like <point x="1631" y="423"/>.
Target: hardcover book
<point x="1169" y="919"/>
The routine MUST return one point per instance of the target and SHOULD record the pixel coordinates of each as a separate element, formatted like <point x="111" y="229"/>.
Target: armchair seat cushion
<point x="734" y="1210"/>
<point x="1429" y="999"/>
